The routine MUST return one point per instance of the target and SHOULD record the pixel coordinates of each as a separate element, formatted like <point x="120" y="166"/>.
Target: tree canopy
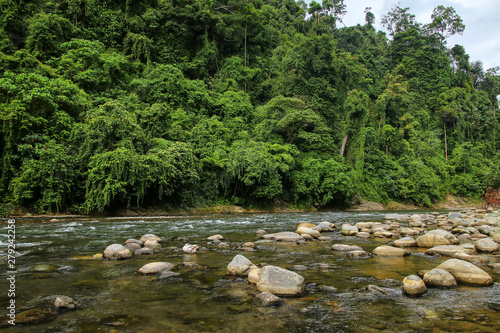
<point x="111" y="104"/>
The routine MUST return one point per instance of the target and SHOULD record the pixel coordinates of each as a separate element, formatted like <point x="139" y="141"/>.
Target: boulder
<point x="152" y="244"/>
<point x="311" y="232"/>
<point x="363" y="235"/>
<point x="324" y="226"/>
<point x="132" y="246"/>
<point x="465" y="272"/>
<point x="306" y="225"/>
<point x="496" y="237"/>
<point x="349" y="230"/>
<point x="465" y="239"/>
<point x="268" y="299"/>
<point x="167" y="275"/>
<point x="280" y="281"/>
<point x="449" y="250"/>
<point x="146" y="237"/>
<point x="436" y="237"/>
<point x="190" y="248"/>
<point x="486" y="229"/>
<point x="284" y="236"/>
<point x="156" y="267"/>
<point x="439" y="278"/>
<point x="213" y="237"/>
<point x="240" y="265"/>
<point x="117" y="251"/>
<point x="405" y="242"/>
<point x="135" y="241"/>
<point x="487" y="245"/>
<point x="389" y="251"/>
<point x="414" y="286"/>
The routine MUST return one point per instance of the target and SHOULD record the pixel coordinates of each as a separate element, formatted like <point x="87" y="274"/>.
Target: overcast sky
<point x="481" y="38"/>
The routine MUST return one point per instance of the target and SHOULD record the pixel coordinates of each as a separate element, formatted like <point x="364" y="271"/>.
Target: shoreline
<point x="450" y="203"/>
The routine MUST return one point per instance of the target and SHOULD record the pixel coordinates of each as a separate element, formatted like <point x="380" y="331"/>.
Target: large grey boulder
<point x="439" y="278"/>
<point x="240" y="265"/>
<point x="413" y="286"/>
<point x="117" y="251"/>
<point x="156" y="267"/>
<point x="465" y="272"/>
<point x="436" y="237"/>
<point x="280" y="281"/>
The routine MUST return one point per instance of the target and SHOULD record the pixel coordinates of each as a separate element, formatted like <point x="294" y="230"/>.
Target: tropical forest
<point x="166" y="103"/>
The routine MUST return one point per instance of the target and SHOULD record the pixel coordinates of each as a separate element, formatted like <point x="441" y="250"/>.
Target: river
<point x="113" y="297"/>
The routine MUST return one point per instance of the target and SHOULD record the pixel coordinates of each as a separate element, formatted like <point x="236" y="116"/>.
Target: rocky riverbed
<point x="292" y="272"/>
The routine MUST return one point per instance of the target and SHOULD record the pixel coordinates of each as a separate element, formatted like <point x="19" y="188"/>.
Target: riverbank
<point x="450" y="203"/>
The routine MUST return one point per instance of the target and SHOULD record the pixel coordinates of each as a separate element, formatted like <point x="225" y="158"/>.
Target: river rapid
<point x="54" y="259"/>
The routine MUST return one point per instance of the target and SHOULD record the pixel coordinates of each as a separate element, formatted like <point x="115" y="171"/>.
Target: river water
<point x="113" y="297"/>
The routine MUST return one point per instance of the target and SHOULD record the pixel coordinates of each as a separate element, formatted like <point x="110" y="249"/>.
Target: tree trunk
<point x="344" y="142"/>
<point x="445" y="143"/>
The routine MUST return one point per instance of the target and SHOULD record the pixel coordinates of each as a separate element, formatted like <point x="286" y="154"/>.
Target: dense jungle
<point x="195" y="103"/>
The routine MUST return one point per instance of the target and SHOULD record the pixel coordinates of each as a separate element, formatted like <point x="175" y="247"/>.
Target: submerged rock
<point x="35" y="316"/>
<point x="346" y="248"/>
<point x="167" y="275"/>
<point x="268" y="299"/>
<point x="413" y="286"/>
<point x="143" y="251"/>
<point x="65" y="302"/>
<point x="280" y="281"/>
<point x="465" y="272"/>
<point x="439" y="278"/>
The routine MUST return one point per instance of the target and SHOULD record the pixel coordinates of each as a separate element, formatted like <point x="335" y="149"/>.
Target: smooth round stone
<point x="439" y="278"/>
<point x="487" y="245"/>
<point x="254" y="275"/>
<point x="280" y="281"/>
<point x="152" y="244"/>
<point x="465" y="272"/>
<point x="405" y="242"/>
<point x="349" y="230"/>
<point x="156" y="267"/>
<point x="414" y="286"/>
<point x="132" y="246"/>
<point x="436" y="237"/>
<point x="143" y="251"/>
<point x="449" y="250"/>
<point x="211" y="238"/>
<point x="117" y="251"/>
<point x="363" y="235"/>
<point x="386" y="250"/>
<point x="298" y="268"/>
<point x="132" y="240"/>
<point x="261" y="232"/>
<point x="305" y="225"/>
<point x="146" y="237"/>
<point x="249" y="244"/>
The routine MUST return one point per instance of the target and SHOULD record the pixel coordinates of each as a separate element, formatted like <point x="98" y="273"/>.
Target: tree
<point x="399" y="20"/>
<point x="445" y="23"/>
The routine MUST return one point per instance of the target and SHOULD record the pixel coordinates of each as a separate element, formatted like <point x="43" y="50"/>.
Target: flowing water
<point x="113" y="297"/>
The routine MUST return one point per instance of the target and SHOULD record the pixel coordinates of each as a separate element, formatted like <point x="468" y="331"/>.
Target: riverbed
<point x="339" y="296"/>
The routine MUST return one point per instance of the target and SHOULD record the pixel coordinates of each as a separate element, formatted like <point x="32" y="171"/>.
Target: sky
<point x="481" y="38"/>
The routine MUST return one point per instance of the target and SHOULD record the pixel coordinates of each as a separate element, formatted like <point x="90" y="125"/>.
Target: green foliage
<point x="107" y="104"/>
